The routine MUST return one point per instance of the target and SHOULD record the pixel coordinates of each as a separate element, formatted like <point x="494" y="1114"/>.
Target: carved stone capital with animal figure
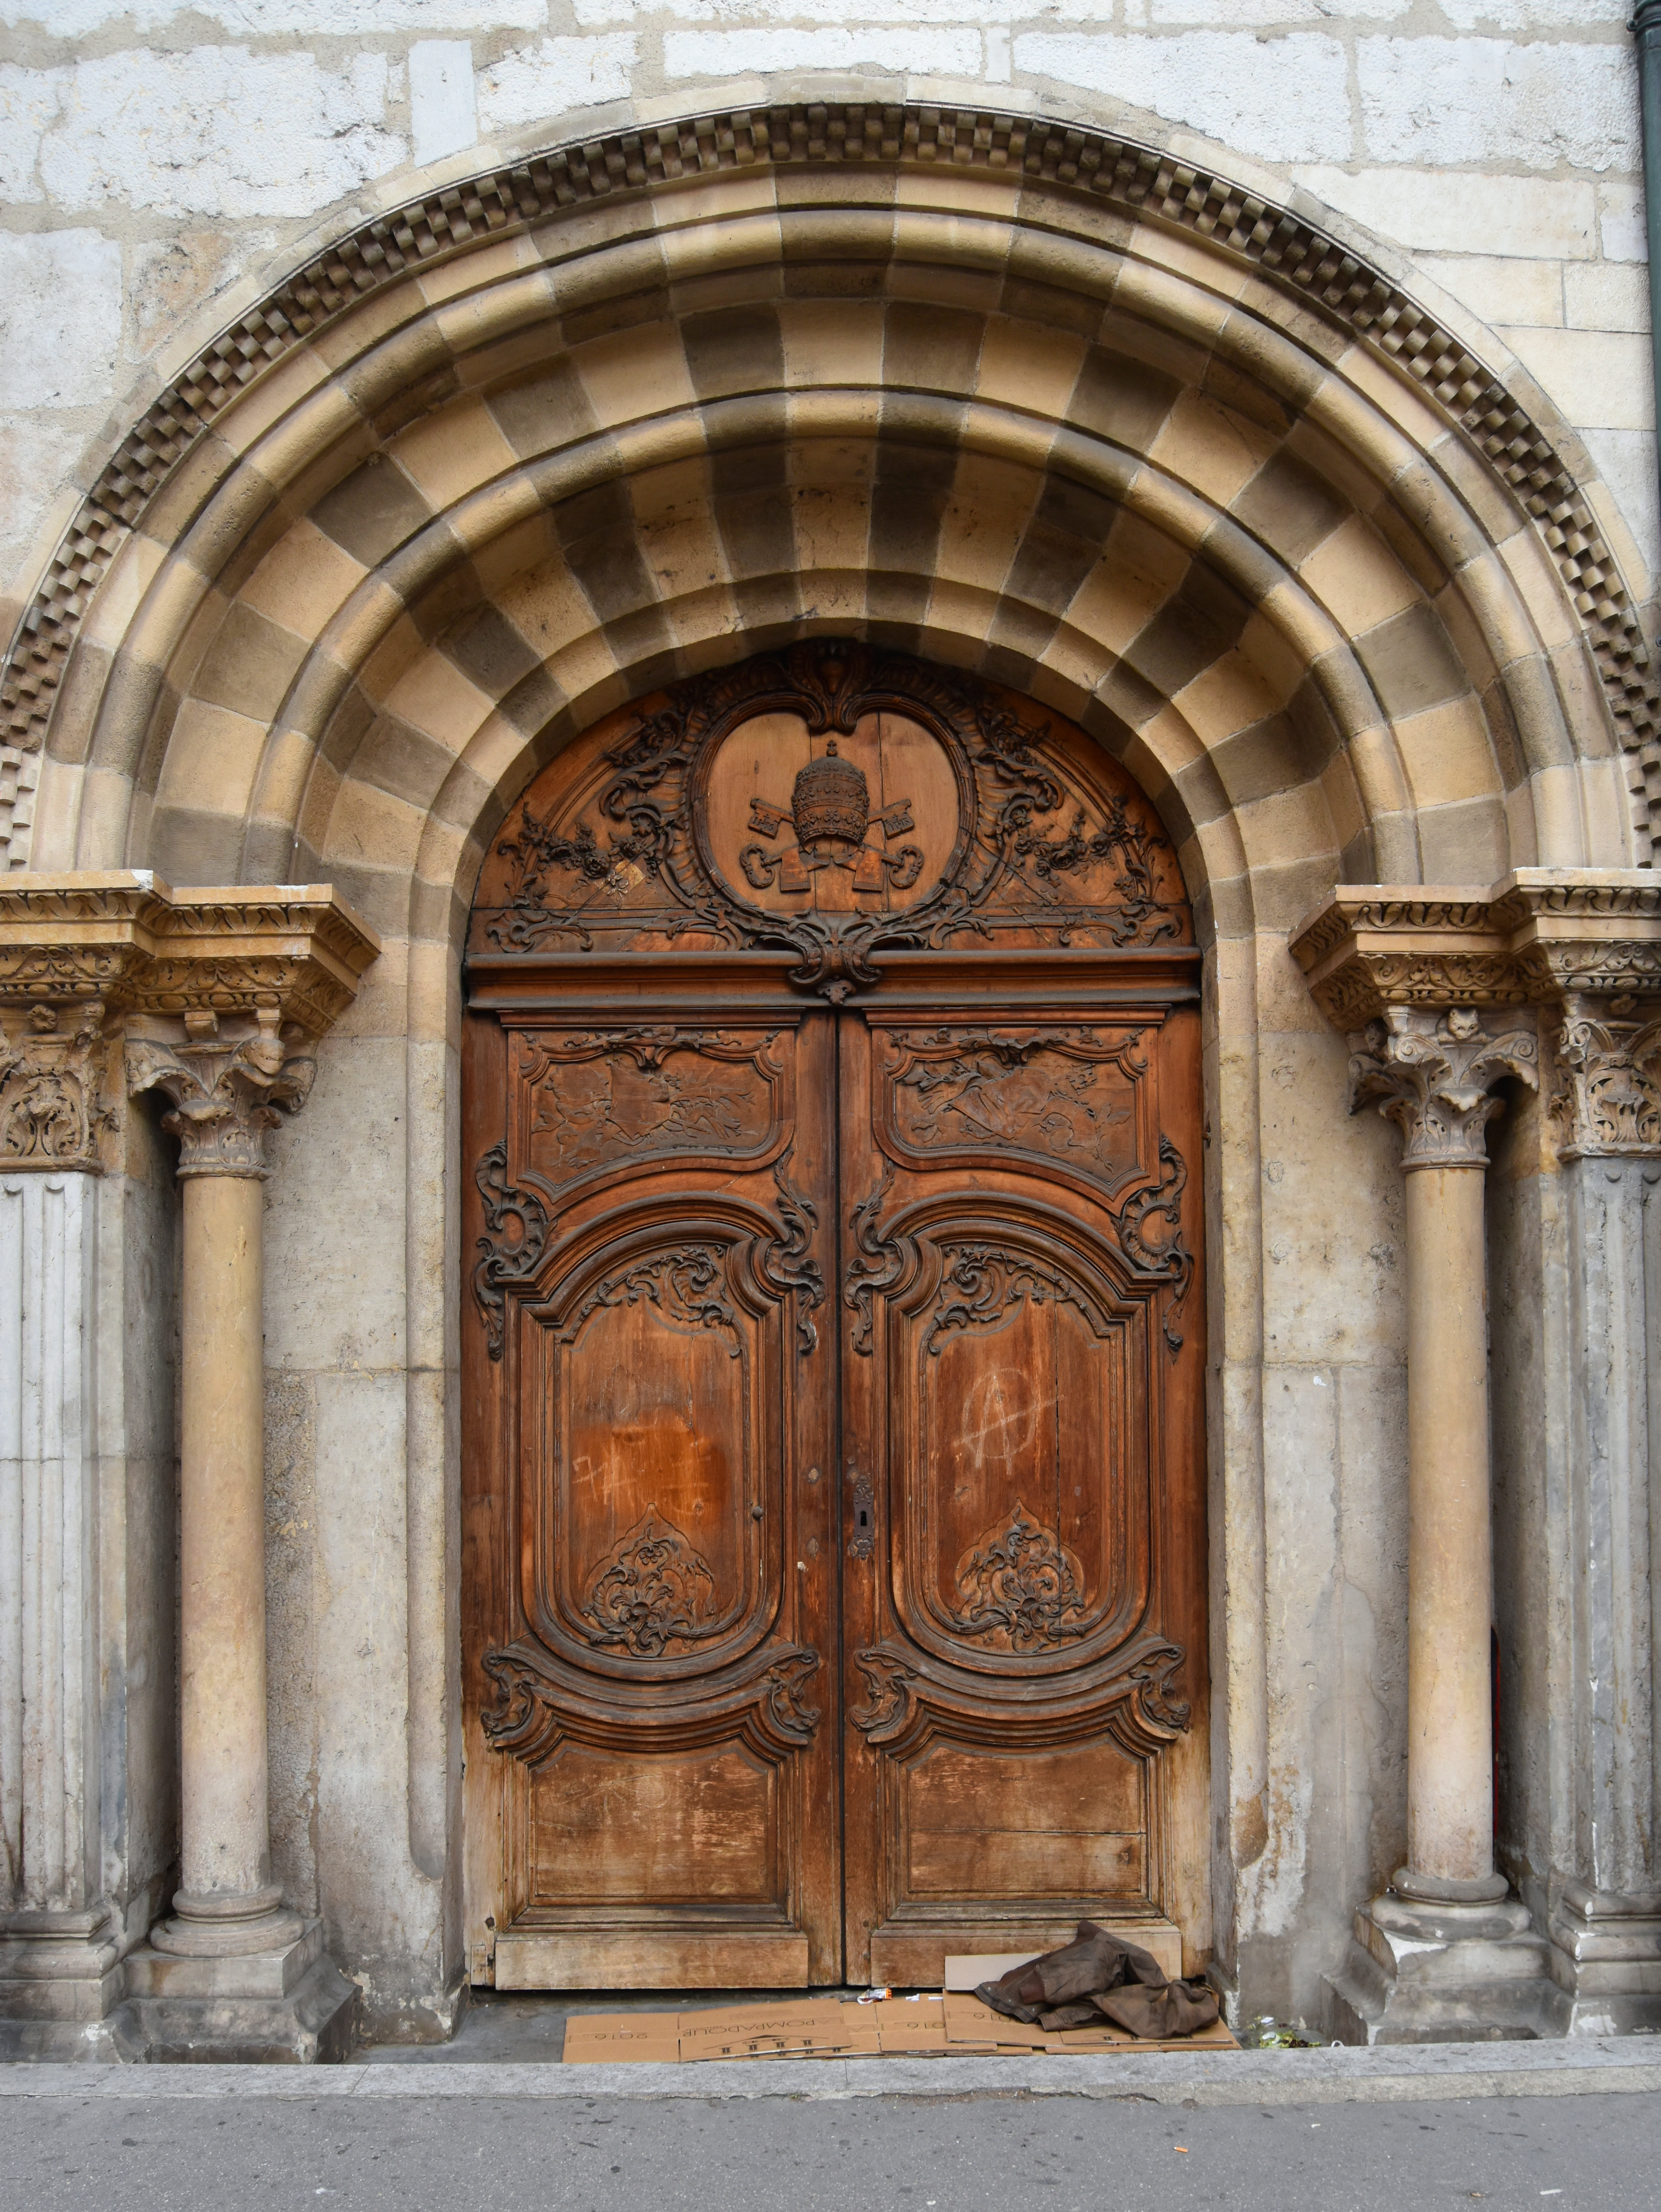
<point x="1606" y="1102"/>
<point x="1431" y="1070"/>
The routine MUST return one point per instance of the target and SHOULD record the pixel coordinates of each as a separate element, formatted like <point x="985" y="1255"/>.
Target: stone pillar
<point x="1431" y="1072"/>
<point x="61" y="1940"/>
<point x="225" y="1095"/>
<point x="218" y="997"/>
<point x="1437" y="1014"/>
<point x="1604" y="1911"/>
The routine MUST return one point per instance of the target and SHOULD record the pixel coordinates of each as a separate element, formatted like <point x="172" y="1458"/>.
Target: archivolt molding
<point x="1045" y="176"/>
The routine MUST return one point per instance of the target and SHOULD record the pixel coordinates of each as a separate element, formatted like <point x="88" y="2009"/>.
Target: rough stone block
<point x="218" y="131"/>
<point x="60" y="318"/>
<point x="923" y="52"/>
<point x="1283" y="99"/>
<point x="1543" y="105"/>
<point x="1605" y="295"/>
<point x="532" y="84"/>
<point x="443" y="110"/>
<point x="1501" y="288"/>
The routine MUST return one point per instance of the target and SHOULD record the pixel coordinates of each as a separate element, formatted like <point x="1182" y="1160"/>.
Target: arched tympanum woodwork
<point x="833" y="1456"/>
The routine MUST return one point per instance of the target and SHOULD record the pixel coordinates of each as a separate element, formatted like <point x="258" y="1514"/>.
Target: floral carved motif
<point x="1608" y="1099"/>
<point x="1021" y="1587"/>
<point x="1168" y="1256"/>
<point x="1433" y="1073"/>
<point x="226" y="1094"/>
<point x="604" y="1095"/>
<point x="53" y="1108"/>
<point x="654" y="1589"/>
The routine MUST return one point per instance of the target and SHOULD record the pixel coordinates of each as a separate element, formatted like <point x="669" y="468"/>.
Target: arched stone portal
<point x="1032" y="402"/>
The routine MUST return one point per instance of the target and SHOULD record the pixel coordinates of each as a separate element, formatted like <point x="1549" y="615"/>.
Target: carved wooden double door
<point x="833" y="1485"/>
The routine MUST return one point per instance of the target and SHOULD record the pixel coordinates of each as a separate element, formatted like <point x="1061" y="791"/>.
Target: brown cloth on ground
<point x="1094" y="1976"/>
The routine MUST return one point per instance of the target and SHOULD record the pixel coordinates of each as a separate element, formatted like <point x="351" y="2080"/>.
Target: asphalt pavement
<point x="148" y="2149"/>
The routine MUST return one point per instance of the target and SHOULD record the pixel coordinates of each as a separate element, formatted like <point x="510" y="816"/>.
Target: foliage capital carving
<point x="226" y="1094"/>
<point x="1431" y="1072"/>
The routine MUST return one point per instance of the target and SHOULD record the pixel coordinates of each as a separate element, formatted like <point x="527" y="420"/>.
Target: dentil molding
<point x="214" y="993"/>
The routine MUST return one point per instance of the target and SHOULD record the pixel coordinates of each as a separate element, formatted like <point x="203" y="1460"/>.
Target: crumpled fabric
<point x="1098" y="1975"/>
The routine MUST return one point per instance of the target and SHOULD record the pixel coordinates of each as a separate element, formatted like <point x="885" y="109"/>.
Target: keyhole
<point x="862" y="1517"/>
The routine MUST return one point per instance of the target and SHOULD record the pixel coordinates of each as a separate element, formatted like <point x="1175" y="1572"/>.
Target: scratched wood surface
<point x="833" y="1553"/>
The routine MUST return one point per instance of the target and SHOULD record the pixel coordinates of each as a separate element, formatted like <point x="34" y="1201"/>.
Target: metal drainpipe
<point x="1645" y="27"/>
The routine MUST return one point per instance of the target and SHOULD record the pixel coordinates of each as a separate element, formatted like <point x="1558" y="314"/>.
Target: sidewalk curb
<point x="1388" y="2074"/>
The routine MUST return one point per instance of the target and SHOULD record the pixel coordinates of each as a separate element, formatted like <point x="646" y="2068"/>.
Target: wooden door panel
<point x="662" y="1406"/>
<point x="833" y="1540"/>
<point x="1020" y="1397"/>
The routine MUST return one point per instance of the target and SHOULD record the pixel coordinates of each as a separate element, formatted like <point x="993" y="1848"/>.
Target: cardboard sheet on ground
<point x="839" y="2028"/>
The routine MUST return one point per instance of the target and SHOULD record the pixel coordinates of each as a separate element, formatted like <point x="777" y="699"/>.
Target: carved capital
<point x="226" y="1092"/>
<point x="1607" y="1099"/>
<point x="1431" y="1072"/>
<point x="57" y="1108"/>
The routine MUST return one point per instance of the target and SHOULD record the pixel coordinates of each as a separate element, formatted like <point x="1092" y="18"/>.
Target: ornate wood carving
<point x="600" y="1097"/>
<point x="980" y="1284"/>
<point x="538" y="1701"/>
<point x="516" y="1226"/>
<point x="687" y="1284"/>
<point x="784" y="1260"/>
<point x="1020" y="1588"/>
<point x="877" y="1264"/>
<point x="654" y="1590"/>
<point x="639" y="855"/>
<point x="1170" y="1256"/>
<point x="913" y="1699"/>
<point x="1048" y="1093"/>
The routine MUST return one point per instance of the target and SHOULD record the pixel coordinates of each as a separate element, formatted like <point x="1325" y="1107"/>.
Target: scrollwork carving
<point x="981" y="1283"/>
<point x="877" y="1264"/>
<point x="1432" y="1073"/>
<point x="787" y="1680"/>
<point x="887" y="1681"/>
<point x="1040" y="1091"/>
<point x="1171" y="1257"/>
<point x="541" y="1701"/>
<point x="686" y="1286"/>
<point x="784" y="1260"/>
<point x="226" y="1094"/>
<point x="1019" y="1586"/>
<point x="516" y="1225"/>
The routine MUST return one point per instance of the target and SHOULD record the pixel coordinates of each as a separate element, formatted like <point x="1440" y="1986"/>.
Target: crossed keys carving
<point x="831" y="812"/>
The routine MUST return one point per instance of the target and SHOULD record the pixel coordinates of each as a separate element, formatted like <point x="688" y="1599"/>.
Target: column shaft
<point x="1450" y="1708"/>
<point x="222" y="1588"/>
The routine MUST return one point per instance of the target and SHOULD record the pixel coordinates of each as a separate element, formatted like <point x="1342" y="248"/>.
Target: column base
<point x="1606" y="1959"/>
<point x="60" y="1979"/>
<point x="1420" y="1973"/>
<point x="288" y="2006"/>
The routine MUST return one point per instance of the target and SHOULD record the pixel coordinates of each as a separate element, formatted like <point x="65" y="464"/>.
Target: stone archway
<point x="1025" y="400"/>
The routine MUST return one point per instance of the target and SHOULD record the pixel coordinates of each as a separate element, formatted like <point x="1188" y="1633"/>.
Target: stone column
<point x="60" y="1938"/>
<point x="1604" y="1907"/>
<point x="226" y="1094"/>
<point x="1431" y="1072"/>
<point x="1436" y="1015"/>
